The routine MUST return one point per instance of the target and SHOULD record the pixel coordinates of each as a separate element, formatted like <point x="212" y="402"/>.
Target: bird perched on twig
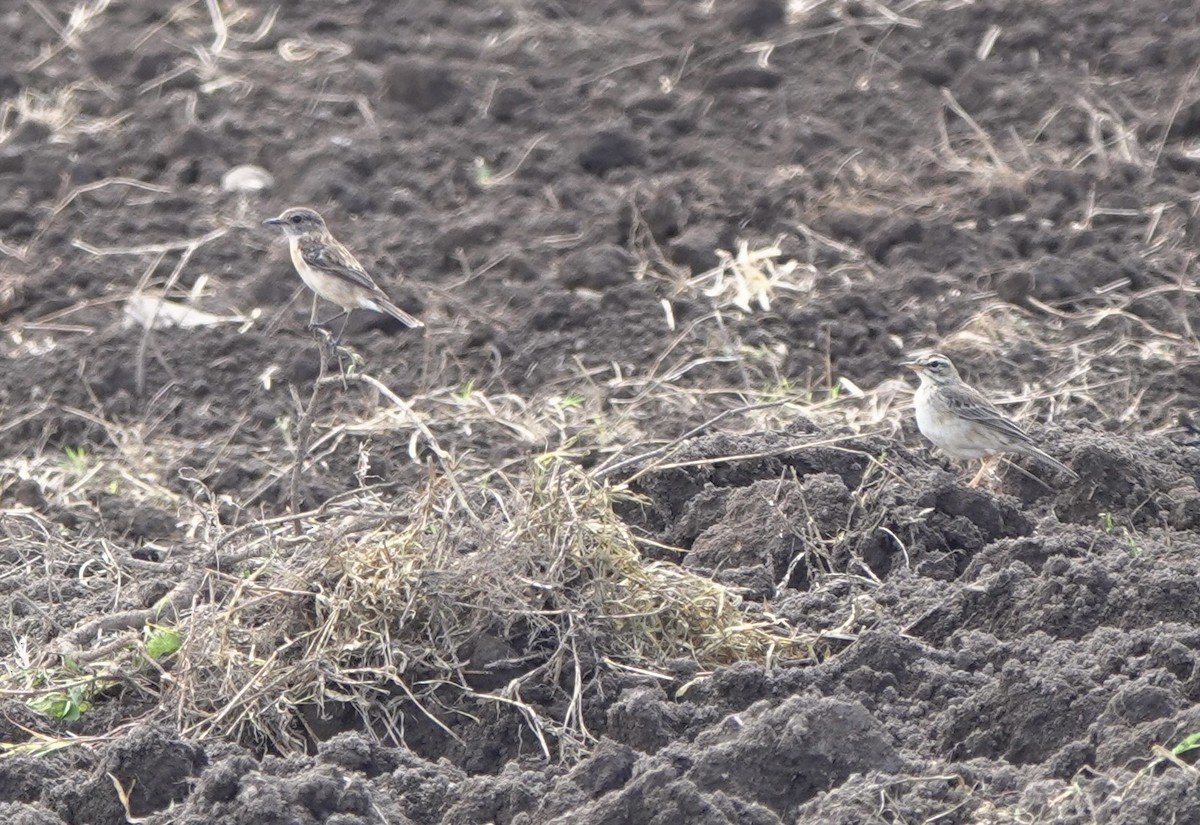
<point x="331" y="272"/>
<point x="965" y="425"/>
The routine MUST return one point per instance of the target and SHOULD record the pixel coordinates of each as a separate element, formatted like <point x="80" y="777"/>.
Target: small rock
<point x="29" y="132"/>
<point x="757" y="17"/>
<point x="655" y="103"/>
<point x="902" y="230"/>
<point x="1002" y="201"/>
<point x="746" y="77"/>
<point x="661" y="211"/>
<point x="194" y="141"/>
<point x="10" y="82"/>
<point x="84" y="171"/>
<point x="696" y="248"/>
<point x="421" y="84"/>
<point x="611" y="149"/>
<point x="509" y="101"/>
<point x="931" y="69"/>
<point x="851" y="225"/>
<point x="247" y="178"/>
<point x="28" y="493"/>
<point x="12" y="217"/>
<point x="595" y="267"/>
<point x="1186" y="123"/>
<point x="12" y="161"/>
<point x="373" y="48"/>
<point x="154" y="65"/>
<point x="554" y="311"/>
<point x="110" y="64"/>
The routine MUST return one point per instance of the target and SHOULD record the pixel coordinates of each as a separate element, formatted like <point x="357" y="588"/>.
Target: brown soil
<point x="1010" y="181"/>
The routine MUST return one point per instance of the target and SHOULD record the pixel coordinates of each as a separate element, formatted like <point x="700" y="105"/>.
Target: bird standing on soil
<point x="331" y="272"/>
<point x="965" y="425"/>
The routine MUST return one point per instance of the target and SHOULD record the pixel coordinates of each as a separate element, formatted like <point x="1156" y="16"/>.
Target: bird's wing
<point x="969" y="403"/>
<point x="332" y="258"/>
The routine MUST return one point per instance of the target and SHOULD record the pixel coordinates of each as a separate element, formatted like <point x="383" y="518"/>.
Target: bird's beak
<point x="273" y="222"/>
<point x="915" y="366"/>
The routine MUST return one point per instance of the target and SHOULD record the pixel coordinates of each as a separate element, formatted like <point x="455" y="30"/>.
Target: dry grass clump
<point x="749" y="279"/>
<point x="453" y="610"/>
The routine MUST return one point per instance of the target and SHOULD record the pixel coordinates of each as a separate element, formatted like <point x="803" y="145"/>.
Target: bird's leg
<point x="342" y="331"/>
<point x="983" y="466"/>
<point x="329" y="321"/>
<point x="322" y="327"/>
<point x="312" y="315"/>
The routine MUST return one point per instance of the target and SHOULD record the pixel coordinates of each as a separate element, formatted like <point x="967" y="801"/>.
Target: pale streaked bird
<point x="331" y="272"/>
<point x="965" y="425"/>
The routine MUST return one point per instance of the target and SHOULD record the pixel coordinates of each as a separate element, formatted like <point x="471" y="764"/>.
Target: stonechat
<point x="331" y="272"/>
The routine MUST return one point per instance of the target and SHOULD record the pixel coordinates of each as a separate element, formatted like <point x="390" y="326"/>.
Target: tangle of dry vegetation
<point x="367" y="620"/>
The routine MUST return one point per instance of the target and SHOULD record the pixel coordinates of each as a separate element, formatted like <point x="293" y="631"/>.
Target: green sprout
<point x="77" y="458"/>
<point x="483" y="172"/>
<point x="67" y="706"/>
<point x="1188" y="743"/>
<point x="781" y="389"/>
<point x="161" y="641"/>
<point x="570" y="401"/>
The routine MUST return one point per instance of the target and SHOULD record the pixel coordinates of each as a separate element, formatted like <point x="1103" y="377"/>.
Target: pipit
<point x="965" y="425"/>
<point x="331" y="272"/>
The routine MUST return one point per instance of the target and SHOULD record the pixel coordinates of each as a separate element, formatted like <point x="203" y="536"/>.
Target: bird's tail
<point x="1053" y="462"/>
<point x="396" y="312"/>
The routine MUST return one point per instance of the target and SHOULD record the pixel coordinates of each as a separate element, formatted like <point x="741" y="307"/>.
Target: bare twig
<point x="304" y="423"/>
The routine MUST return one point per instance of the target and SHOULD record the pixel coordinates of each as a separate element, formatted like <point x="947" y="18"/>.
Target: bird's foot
<point x="325" y="338"/>
<point x="979" y="476"/>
